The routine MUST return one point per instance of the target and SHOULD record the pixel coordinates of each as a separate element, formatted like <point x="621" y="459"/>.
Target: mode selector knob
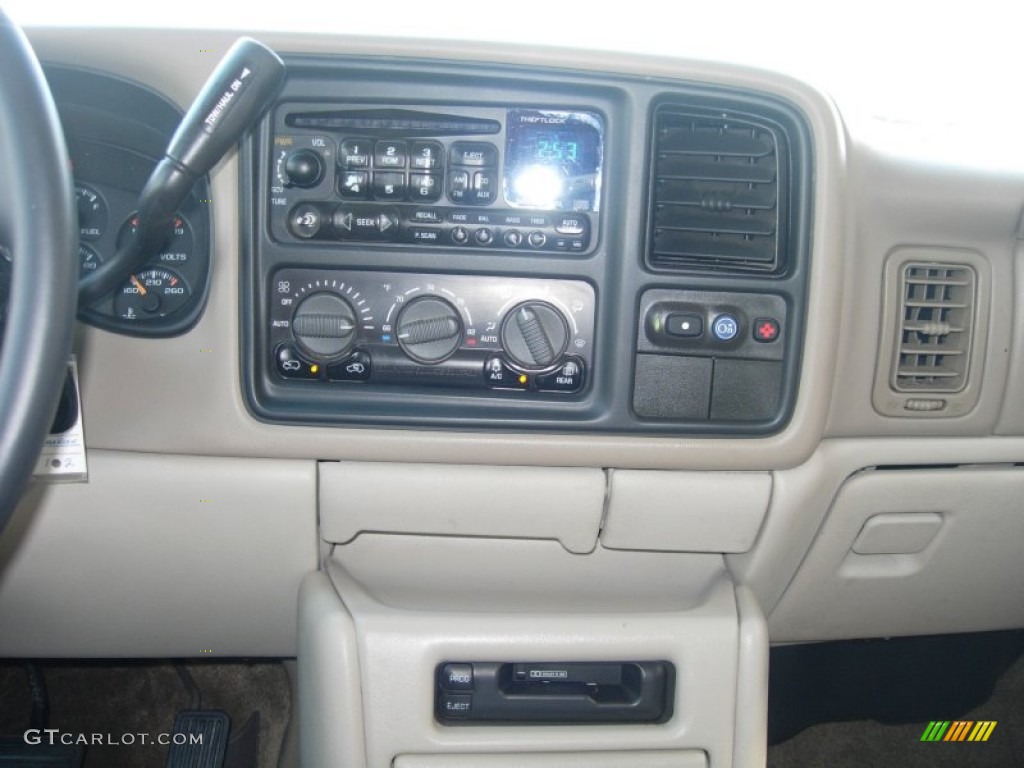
<point x="429" y="330"/>
<point x="303" y="168"/>
<point x="534" y="335"/>
<point x="324" y="325"/>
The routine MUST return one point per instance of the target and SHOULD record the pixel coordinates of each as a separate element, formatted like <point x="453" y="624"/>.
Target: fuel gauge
<point x="92" y="212"/>
<point x="153" y="292"/>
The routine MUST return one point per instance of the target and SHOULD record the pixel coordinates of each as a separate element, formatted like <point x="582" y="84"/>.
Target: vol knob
<point x="304" y="168"/>
<point x="534" y="335"/>
<point x="324" y="325"/>
<point x="429" y="330"/>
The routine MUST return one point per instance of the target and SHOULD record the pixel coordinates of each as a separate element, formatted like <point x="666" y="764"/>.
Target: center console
<point x="442" y="246"/>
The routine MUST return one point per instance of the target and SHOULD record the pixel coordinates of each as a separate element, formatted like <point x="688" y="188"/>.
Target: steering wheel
<point x="38" y="223"/>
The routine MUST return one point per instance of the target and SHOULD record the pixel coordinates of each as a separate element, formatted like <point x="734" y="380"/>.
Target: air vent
<point x="934" y="343"/>
<point x="716" y="204"/>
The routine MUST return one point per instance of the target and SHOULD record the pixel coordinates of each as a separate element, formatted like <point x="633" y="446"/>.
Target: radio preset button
<point x="388" y="185"/>
<point x="426" y="155"/>
<point x="354" y="185"/>
<point x="390" y="154"/>
<point x="425" y="187"/>
<point x="355" y="153"/>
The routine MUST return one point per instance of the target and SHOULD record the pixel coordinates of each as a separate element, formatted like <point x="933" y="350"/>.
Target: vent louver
<point x="934" y="342"/>
<point x="716" y="202"/>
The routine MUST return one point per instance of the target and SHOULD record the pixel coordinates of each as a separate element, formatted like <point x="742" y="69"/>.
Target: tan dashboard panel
<point x="160" y="556"/>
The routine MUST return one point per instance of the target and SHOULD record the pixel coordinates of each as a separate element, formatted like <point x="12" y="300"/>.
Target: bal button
<point x="725" y="327"/>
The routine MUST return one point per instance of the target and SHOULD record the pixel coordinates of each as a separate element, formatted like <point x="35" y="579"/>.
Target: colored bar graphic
<point x="935" y="731"/>
<point x="959" y="730"/>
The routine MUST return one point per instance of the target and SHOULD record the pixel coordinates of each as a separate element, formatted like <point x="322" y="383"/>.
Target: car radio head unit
<point x="504" y="179"/>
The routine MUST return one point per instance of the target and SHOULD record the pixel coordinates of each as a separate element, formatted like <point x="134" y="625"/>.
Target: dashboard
<point x="492" y="356"/>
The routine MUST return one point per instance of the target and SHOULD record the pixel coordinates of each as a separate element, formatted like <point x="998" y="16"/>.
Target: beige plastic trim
<point x="400" y="649"/>
<point x="651" y="759"/>
<point x="329" y="700"/>
<point x="160" y="556"/>
<point x="197" y="375"/>
<point x="450" y="574"/>
<point x="751" y="744"/>
<point x="564" y="504"/>
<point x="685" y="511"/>
<point x="1011" y="421"/>
<point x="966" y="579"/>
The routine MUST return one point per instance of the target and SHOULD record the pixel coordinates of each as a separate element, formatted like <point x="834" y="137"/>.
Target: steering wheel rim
<point x="39" y="225"/>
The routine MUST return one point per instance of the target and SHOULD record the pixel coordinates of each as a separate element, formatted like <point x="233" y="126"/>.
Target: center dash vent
<point x="718" y="193"/>
<point x="934" y="343"/>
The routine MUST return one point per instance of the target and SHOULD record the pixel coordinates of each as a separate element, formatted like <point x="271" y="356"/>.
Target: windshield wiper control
<point x="240" y="89"/>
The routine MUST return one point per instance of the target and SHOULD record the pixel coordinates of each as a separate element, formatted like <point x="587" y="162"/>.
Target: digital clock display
<point x="554" y="160"/>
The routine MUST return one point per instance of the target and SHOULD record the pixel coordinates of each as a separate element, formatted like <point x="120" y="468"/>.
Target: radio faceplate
<point x="511" y="179"/>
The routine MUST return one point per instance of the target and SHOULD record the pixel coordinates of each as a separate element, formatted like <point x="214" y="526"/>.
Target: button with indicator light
<point x="725" y="327"/>
<point x="766" y="329"/>
<point x="291" y="366"/>
<point x="497" y="375"/>
<point x="687" y="325"/>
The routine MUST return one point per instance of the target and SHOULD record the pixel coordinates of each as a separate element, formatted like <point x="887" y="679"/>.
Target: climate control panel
<point x="445" y="332"/>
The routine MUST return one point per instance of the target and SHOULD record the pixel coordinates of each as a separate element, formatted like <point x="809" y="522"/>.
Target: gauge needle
<point x="150" y="301"/>
<point x="139" y="286"/>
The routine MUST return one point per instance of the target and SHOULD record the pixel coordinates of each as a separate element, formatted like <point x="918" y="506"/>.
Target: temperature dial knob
<point x="534" y="335"/>
<point x="303" y="168"/>
<point x="324" y="325"/>
<point x="429" y="330"/>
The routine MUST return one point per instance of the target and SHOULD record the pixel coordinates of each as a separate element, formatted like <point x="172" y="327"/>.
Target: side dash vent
<point x="934" y="344"/>
<point x="718" y="193"/>
<point x="932" y="348"/>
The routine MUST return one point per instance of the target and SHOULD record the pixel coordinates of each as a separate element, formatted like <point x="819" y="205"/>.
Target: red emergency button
<point x="766" y="329"/>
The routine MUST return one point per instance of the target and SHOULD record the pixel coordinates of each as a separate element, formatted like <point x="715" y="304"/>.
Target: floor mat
<point x="870" y="744"/>
<point x="122" y="710"/>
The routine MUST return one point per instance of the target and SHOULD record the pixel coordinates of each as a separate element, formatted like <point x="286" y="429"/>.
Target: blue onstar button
<point x="725" y="327"/>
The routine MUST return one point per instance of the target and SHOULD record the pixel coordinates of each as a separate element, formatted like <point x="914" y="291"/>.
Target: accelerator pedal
<point x="206" y="739"/>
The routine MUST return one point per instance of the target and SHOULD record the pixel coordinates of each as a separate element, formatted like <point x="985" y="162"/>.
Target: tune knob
<point x="534" y="335"/>
<point x="324" y="325"/>
<point x="303" y="168"/>
<point x="429" y="330"/>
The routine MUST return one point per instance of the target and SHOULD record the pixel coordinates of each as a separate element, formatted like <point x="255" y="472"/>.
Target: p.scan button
<point x="457" y="677"/>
